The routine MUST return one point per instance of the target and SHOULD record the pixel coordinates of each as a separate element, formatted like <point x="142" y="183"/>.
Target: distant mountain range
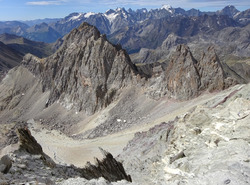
<point x="111" y="22"/>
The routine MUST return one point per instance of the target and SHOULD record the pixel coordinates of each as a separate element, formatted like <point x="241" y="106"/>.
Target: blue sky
<point x="34" y="9"/>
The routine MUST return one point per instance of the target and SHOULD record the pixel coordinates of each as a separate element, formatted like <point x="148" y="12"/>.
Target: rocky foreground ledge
<point x="30" y="165"/>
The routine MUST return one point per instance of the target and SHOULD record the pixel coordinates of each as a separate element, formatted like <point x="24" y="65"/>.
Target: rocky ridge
<point x="90" y="76"/>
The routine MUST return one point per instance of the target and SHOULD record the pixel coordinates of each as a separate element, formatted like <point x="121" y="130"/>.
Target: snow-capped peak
<point x="110" y="11"/>
<point x="167" y="7"/>
<point x="119" y="9"/>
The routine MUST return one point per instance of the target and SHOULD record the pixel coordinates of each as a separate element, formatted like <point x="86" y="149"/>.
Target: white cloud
<point x="44" y="3"/>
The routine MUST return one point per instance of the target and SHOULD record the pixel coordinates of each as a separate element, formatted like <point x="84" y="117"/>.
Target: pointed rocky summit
<point x="87" y="71"/>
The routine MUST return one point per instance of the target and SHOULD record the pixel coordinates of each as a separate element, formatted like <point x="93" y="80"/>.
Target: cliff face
<point x="182" y="76"/>
<point x="211" y="72"/>
<point x="87" y="71"/>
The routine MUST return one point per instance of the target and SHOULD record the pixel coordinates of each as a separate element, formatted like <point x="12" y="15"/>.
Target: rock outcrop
<point x="211" y="72"/>
<point x="28" y="142"/>
<point x="185" y="77"/>
<point x="86" y="73"/>
<point x="108" y="168"/>
<point x="182" y="75"/>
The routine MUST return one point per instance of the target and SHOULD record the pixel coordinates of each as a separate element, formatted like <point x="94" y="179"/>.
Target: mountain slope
<point x="151" y="33"/>
<point x="42" y="33"/>
<point x="191" y="147"/>
<point x="25" y="46"/>
<point x="88" y="74"/>
<point x="231" y="45"/>
<point x="9" y="58"/>
<point x="13" y="27"/>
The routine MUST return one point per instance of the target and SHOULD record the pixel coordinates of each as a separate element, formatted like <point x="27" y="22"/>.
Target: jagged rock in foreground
<point x="31" y="164"/>
<point x="209" y="144"/>
<point x="28" y="142"/>
<point x="86" y="73"/>
<point x="108" y="168"/>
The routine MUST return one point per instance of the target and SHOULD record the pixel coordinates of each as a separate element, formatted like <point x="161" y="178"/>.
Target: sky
<point x="39" y="9"/>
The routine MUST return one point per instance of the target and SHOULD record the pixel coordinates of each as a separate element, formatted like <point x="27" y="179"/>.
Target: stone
<point x="5" y="164"/>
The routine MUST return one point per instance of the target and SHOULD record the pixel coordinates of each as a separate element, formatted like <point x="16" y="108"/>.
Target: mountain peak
<point x="229" y="11"/>
<point x="167" y="7"/>
<point x="120" y="10"/>
<point x="86" y="72"/>
<point x="110" y="11"/>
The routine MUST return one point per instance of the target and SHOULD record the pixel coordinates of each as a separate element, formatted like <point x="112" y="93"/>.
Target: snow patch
<point x="111" y="17"/>
<point x="237" y="14"/>
<point x="87" y="15"/>
<point x="76" y="17"/>
<point x="124" y="15"/>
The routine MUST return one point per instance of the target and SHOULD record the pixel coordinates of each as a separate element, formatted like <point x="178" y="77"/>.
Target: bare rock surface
<point x="209" y="144"/>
